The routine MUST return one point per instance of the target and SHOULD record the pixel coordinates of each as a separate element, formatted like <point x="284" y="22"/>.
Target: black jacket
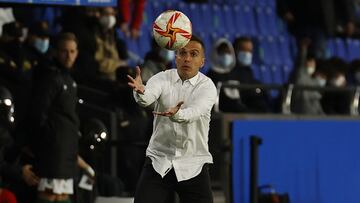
<point x="55" y="122"/>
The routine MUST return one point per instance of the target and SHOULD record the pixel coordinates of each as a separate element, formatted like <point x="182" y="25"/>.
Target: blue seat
<point x="206" y="18"/>
<point x="286" y="69"/>
<point x="266" y="77"/>
<point x="239" y="20"/>
<point x="228" y="19"/>
<point x="340" y="48"/>
<point x="196" y="17"/>
<point x="270" y="50"/>
<point x="353" y="49"/>
<point x="249" y="21"/>
<point x="256" y="71"/>
<point x="284" y="50"/>
<point x="330" y="48"/>
<point x="277" y="74"/>
<point x="261" y="21"/>
<point x="144" y="43"/>
<point x="272" y="21"/>
<point x="267" y="20"/>
<point x="218" y="19"/>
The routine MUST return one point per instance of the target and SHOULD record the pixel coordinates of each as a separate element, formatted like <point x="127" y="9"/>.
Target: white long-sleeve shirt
<point x="180" y="141"/>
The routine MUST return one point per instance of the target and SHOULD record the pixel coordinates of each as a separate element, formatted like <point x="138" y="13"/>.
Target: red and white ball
<point x="172" y="29"/>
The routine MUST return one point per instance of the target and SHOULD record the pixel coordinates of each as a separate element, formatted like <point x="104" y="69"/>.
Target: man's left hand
<point x="170" y="112"/>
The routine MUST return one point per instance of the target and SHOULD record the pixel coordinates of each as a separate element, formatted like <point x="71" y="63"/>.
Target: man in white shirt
<point x="178" y="154"/>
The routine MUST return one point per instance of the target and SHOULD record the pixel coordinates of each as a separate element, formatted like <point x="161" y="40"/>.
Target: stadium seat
<point x="353" y="49"/>
<point x="340" y="48"/>
<point x="286" y="72"/>
<point x="228" y="17"/>
<point x="277" y="74"/>
<point x="256" y="72"/>
<point x="266" y="77"/>
<point x="249" y="21"/>
<point x="284" y="50"/>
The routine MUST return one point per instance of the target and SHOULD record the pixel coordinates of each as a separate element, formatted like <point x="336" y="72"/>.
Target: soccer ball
<point x="172" y="30"/>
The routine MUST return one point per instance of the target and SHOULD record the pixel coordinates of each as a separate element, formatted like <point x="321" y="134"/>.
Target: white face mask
<point x="321" y="81"/>
<point x="310" y="70"/>
<point x="42" y="45"/>
<point x="339" y="81"/>
<point x="108" y="22"/>
<point x="245" y="58"/>
<point x="167" y="55"/>
<point x="225" y="60"/>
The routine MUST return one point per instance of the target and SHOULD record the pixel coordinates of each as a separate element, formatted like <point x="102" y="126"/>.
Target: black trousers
<point x="152" y="188"/>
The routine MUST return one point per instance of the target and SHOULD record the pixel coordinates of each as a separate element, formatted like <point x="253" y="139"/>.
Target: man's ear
<point x="202" y="62"/>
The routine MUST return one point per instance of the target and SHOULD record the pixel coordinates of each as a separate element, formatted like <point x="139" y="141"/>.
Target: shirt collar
<point x="192" y="80"/>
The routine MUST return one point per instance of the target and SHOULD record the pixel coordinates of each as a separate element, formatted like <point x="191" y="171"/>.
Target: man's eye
<point x="194" y="54"/>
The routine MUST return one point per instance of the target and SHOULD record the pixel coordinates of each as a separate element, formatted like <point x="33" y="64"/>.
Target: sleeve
<point x="153" y="90"/>
<point x="202" y="105"/>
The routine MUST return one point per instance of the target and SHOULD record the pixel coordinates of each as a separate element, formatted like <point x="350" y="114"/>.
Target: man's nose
<point x="187" y="57"/>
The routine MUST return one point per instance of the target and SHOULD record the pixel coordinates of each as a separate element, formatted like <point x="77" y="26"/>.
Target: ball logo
<point x="172" y="30"/>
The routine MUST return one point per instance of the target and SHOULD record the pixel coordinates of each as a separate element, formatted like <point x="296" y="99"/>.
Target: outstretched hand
<point x="170" y="112"/>
<point x="136" y="83"/>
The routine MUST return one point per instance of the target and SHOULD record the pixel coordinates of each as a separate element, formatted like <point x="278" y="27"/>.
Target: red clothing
<point x="125" y="9"/>
<point x="7" y="197"/>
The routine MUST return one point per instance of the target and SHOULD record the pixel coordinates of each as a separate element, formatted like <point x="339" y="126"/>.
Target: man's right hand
<point x="136" y="83"/>
<point x="29" y="176"/>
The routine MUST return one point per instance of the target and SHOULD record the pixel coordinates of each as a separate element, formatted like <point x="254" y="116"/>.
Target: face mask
<point x="321" y="81"/>
<point x="357" y="77"/>
<point x="310" y="70"/>
<point x="245" y="58"/>
<point x="42" y="45"/>
<point x="225" y="60"/>
<point x="167" y="55"/>
<point x="108" y="21"/>
<point x="339" y="81"/>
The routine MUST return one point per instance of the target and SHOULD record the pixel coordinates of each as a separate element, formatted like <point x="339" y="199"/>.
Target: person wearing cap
<point x="39" y="37"/>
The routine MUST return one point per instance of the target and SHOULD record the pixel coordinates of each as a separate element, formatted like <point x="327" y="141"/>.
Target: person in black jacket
<point x="55" y="123"/>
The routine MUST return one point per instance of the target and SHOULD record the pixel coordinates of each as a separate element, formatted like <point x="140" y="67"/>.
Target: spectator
<point x="56" y="125"/>
<point x="156" y="60"/>
<point x="222" y="64"/>
<point x="83" y="22"/>
<point x="307" y="101"/>
<point x="317" y="20"/>
<point x="255" y="100"/>
<point x="131" y="14"/>
<point x="111" y="52"/>
<point x="337" y="102"/>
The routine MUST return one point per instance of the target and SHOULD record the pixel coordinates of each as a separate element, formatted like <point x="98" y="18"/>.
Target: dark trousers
<point x="152" y="188"/>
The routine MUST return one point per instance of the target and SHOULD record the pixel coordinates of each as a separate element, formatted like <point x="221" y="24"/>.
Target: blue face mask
<point x="42" y="45"/>
<point x="245" y="58"/>
<point x="167" y="55"/>
<point x="225" y="60"/>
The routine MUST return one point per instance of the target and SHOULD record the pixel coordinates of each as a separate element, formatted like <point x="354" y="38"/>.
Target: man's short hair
<point x="240" y="40"/>
<point x="197" y="39"/>
<point x="66" y="36"/>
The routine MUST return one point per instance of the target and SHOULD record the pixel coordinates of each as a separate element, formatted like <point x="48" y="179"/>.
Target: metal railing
<point x="288" y="90"/>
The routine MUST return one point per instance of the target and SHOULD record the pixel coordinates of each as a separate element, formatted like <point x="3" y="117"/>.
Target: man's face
<point x="246" y="46"/>
<point x="189" y="60"/>
<point x="67" y="53"/>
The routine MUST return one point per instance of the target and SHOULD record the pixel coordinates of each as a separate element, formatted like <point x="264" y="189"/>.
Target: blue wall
<point x="314" y="161"/>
